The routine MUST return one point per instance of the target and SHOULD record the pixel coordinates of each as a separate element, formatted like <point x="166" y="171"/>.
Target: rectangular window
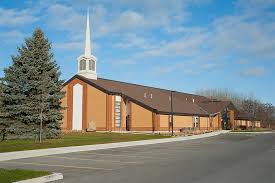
<point x="92" y="65"/>
<point x="196" y="121"/>
<point x="118" y="111"/>
<point x="82" y="65"/>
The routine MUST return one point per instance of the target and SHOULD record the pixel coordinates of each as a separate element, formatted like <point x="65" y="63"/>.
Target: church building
<point x="97" y="104"/>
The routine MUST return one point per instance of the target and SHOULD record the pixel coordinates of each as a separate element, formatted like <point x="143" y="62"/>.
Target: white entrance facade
<point x="77" y="107"/>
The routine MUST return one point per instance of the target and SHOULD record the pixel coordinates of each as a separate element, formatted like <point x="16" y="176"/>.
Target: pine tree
<point x="31" y="91"/>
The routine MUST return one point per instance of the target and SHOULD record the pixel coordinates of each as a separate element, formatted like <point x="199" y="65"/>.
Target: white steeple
<point x="88" y="39"/>
<point x="87" y="62"/>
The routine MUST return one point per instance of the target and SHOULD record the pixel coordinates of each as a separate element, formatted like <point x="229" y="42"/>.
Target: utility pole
<point x="172" y="113"/>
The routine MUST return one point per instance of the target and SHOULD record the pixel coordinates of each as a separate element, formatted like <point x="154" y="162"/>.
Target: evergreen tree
<point x="31" y="91"/>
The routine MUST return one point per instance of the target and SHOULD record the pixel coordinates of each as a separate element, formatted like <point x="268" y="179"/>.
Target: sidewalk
<point x="63" y="150"/>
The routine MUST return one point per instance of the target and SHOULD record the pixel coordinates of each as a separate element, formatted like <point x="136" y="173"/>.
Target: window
<point x="196" y="121"/>
<point x="82" y="65"/>
<point x="92" y="65"/>
<point x="117" y="111"/>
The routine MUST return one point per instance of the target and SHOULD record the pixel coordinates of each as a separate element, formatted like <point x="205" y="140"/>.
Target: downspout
<point x="172" y="113"/>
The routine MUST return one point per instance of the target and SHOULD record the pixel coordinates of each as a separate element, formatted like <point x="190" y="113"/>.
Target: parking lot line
<point x="63" y="166"/>
<point x="89" y="159"/>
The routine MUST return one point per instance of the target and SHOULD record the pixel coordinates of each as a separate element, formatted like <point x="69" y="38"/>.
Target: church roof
<point x="215" y="106"/>
<point x="244" y="116"/>
<point x="156" y="99"/>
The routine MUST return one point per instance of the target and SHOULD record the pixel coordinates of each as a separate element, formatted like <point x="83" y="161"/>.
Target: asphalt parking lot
<point x="224" y="158"/>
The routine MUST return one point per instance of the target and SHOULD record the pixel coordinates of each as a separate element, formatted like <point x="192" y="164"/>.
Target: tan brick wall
<point x="204" y="122"/>
<point x="141" y="117"/>
<point x="240" y="122"/>
<point x="123" y="114"/>
<point x="164" y="121"/>
<point x="248" y="123"/>
<point x="257" y="124"/>
<point x="183" y="122"/>
<point x="112" y="103"/>
<point x="216" y="122"/>
<point x="96" y="107"/>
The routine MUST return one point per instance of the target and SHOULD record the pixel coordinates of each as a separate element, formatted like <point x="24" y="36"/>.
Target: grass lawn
<point x="74" y="139"/>
<point x="7" y="176"/>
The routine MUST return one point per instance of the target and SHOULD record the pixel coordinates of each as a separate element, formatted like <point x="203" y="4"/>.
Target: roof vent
<point x="193" y="100"/>
<point x="145" y="95"/>
<point x="151" y="95"/>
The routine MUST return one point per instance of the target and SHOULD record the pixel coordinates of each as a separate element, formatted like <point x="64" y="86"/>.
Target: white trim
<point x="118" y="98"/>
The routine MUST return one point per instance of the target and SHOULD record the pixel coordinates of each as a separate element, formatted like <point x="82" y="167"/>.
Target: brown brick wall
<point x="64" y="103"/>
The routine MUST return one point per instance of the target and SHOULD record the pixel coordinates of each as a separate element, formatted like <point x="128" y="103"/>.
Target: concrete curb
<point x="62" y="150"/>
<point x="47" y="178"/>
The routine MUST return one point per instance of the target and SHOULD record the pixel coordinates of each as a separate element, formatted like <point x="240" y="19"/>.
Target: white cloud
<point x="134" y="41"/>
<point x="209" y="66"/>
<point x="129" y="20"/>
<point x="185" y="46"/>
<point x="258" y="5"/>
<point x="13" y="17"/>
<point x="73" y="46"/>
<point x="183" y="67"/>
<point x="242" y="36"/>
<point x="140" y="15"/>
<point x="246" y="35"/>
<point x="256" y="71"/>
<point x="70" y="46"/>
<point x="12" y="37"/>
<point x="63" y="17"/>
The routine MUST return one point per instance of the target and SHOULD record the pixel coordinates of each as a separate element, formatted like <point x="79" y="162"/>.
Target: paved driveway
<point x="224" y="158"/>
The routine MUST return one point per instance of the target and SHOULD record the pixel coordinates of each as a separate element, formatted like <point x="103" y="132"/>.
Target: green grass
<point x="74" y="139"/>
<point x="7" y="176"/>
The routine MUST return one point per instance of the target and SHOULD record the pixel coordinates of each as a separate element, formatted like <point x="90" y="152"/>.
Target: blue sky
<point x="181" y="45"/>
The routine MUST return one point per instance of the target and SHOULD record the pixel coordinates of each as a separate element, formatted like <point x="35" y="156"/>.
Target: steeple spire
<point x="87" y="61"/>
<point x="88" y="39"/>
